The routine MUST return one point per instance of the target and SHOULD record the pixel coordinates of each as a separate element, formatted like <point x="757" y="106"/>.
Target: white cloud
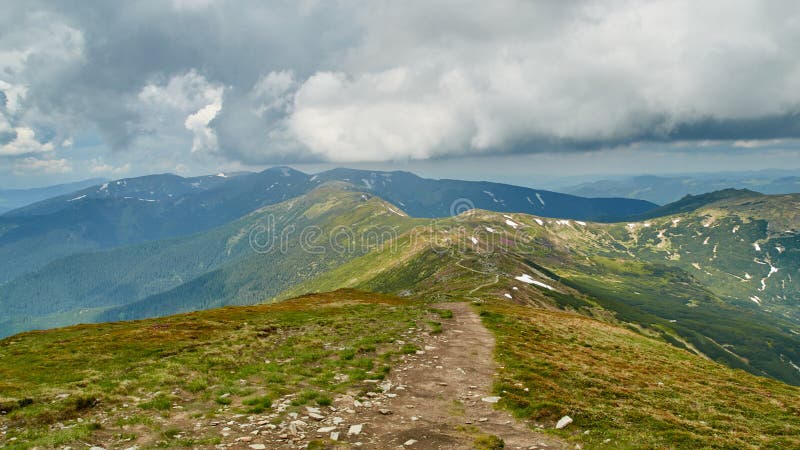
<point x="24" y="143"/>
<point x="31" y="165"/>
<point x="97" y="166"/>
<point x="188" y="98"/>
<point x="477" y="79"/>
<point x="205" y="139"/>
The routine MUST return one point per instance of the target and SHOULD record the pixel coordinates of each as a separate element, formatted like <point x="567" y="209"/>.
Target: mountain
<point x="150" y="208"/>
<point x="698" y="278"/>
<point x="663" y="190"/>
<point x="131" y="211"/>
<point x="242" y="262"/>
<point x="17" y="198"/>
<point x="603" y="270"/>
<point x="631" y="329"/>
<point x="421" y="197"/>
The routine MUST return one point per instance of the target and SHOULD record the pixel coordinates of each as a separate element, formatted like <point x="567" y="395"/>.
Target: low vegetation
<point x="626" y="390"/>
<point x="122" y="381"/>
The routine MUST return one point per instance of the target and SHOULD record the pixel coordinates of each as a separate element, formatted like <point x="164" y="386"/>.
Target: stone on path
<point x="355" y="429"/>
<point x="563" y="422"/>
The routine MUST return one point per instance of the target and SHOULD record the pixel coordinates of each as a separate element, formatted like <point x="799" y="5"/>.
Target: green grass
<point x="637" y="391"/>
<point x="237" y="357"/>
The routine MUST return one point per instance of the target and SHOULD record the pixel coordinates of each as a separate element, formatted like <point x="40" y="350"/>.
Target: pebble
<point x="355" y="429"/>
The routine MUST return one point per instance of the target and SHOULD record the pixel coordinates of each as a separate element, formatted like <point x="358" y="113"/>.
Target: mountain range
<point x="17" y="198"/>
<point x="131" y="211"/>
<point x="667" y="189"/>
<point x="667" y="326"/>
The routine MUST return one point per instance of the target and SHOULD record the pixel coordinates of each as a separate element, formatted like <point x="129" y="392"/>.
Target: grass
<point x="239" y="358"/>
<point x="637" y="391"/>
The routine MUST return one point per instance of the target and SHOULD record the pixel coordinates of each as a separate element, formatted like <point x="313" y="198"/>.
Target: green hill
<point x="238" y="263"/>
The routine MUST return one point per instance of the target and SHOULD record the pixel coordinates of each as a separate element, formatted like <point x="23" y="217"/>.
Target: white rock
<point x="335" y="436"/>
<point x="258" y="446"/>
<point x="563" y="422"/>
<point x="491" y="399"/>
<point x="324" y="430"/>
<point x="410" y="442"/>
<point x="355" y="429"/>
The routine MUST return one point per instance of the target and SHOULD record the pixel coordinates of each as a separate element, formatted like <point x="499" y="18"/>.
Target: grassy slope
<point x="633" y="390"/>
<point x="141" y="373"/>
<point x="654" y="296"/>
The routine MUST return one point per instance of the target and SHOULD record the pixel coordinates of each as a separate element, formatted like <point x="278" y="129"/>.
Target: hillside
<point x="238" y="263"/>
<point x="339" y="369"/>
<point x="595" y="269"/>
<point x="144" y="209"/>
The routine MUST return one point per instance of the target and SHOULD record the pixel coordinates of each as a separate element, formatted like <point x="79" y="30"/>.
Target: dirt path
<point x="439" y="402"/>
<point x="433" y="399"/>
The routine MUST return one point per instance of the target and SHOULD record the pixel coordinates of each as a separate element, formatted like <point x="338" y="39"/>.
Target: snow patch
<point x="541" y="200"/>
<point x="525" y="278"/>
<point x="474" y="240"/>
<point x="492" y="196"/>
<point x="221" y="175"/>
<point x="580" y="223"/>
<point x="489" y="229"/>
<point x="104" y="187"/>
<point x="539" y="221"/>
<point x="367" y="183"/>
<point x="735" y="229"/>
<point x="77" y="198"/>
<point x="507" y="295"/>
<point x="562" y="222"/>
<point x="756" y="246"/>
<point x="756" y="299"/>
<point x="314" y="178"/>
<point x="512" y="224"/>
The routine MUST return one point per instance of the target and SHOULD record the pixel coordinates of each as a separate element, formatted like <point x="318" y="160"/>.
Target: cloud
<point x="31" y="165"/>
<point x="188" y="96"/>
<point x="25" y="143"/>
<point x="197" y="82"/>
<point x="97" y="166"/>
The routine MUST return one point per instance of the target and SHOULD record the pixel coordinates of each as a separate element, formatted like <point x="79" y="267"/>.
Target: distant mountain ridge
<point x="667" y="189"/>
<point x="136" y="210"/>
<point x="11" y="199"/>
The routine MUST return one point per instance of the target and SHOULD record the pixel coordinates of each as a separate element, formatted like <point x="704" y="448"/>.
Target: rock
<point x="316" y="416"/>
<point x="324" y="430"/>
<point x="337" y="420"/>
<point x="385" y="412"/>
<point x="563" y="422"/>
<point x="410" y="442"/>
<point x="96" y="448"/>
<point x="258" y="446"/>
<point x="335" y="436"/>
<point x="313" y="410"/>
<point x="493" y="399"/>
<point x="355" y="430"/>
<point x="245" y="439"/>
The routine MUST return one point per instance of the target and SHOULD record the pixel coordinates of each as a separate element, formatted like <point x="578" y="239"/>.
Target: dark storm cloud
<point x="185" y="82"/>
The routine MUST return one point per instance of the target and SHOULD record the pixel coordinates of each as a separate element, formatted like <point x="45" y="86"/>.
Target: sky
<point x="502" y="90"/>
